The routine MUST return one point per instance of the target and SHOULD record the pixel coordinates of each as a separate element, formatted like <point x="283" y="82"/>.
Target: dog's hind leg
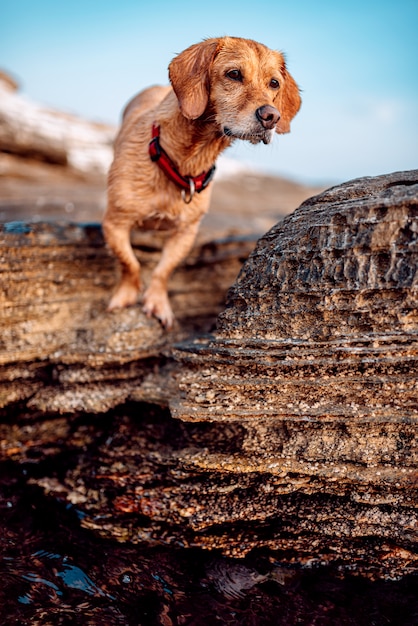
<point x="117" y="237"/>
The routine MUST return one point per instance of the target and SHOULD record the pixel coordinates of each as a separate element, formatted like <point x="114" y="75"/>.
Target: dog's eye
<point x="274" y="83"/>
<point x="234" y="75"/>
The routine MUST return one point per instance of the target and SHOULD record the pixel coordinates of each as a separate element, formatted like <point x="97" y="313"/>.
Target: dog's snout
<point x="268" y="116"/>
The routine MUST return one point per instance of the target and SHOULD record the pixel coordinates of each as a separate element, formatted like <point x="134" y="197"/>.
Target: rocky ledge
<point x="295" y="422"/>
<point x="315" y="366"/>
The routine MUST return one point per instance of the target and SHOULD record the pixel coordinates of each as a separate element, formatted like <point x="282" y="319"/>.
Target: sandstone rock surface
<point x="316" y="358"/>
<point x="295" y="422"/>
<point x="60" y="349"/>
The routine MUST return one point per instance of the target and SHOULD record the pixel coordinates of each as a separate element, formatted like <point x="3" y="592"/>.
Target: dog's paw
<point x="126" y="295"/>
<point x="156" y="304"/>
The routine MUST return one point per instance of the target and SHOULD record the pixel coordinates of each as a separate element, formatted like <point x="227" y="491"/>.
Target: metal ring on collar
<point x="189" y="198"/>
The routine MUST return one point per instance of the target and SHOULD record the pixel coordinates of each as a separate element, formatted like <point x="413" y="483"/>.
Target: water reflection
<point x="54" y="572"/>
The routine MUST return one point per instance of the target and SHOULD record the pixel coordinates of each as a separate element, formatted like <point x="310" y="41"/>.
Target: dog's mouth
<point x="253" y="137"/>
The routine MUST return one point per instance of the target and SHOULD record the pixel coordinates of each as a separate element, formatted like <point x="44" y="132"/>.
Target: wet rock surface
<point x="54" y="572"/>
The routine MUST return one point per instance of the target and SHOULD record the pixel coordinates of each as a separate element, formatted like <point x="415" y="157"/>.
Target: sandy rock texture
<point x="315" y="358"/>
<point x="295" y="422"/>
<point x="60" y="348"/>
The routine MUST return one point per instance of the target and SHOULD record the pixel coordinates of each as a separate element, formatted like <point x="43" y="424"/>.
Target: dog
<point x="222" y="89"/>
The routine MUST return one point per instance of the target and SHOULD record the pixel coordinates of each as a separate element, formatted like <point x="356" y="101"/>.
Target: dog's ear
<point x="289" y="104"/>
<point x="189" y="76"/>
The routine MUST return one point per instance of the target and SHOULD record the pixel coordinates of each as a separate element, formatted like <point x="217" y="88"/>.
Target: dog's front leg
<point x="176" y="248"/>
<point x="117" y="237"/>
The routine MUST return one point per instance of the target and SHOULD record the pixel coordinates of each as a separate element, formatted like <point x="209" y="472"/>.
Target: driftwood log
<point x="295" y="422"/>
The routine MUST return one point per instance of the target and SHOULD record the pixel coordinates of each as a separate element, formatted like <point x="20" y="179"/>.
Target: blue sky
<point x="356" y="62"/>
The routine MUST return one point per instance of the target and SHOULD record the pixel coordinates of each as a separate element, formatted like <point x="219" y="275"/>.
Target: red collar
<point x="188" y="184"/>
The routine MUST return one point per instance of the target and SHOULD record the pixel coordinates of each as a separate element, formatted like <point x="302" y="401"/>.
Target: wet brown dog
<point x="222" y="89"/>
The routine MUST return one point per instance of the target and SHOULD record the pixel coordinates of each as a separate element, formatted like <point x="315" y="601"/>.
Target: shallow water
<point x="55" y="572"/>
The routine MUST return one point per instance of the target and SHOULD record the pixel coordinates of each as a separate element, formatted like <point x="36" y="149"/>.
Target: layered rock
<point x="316" y="359"/>
<point x="295" y="423"/>
<point x="61" y="350"/>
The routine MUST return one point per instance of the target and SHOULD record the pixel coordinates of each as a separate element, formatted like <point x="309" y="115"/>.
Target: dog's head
<point x="242" y="85"/>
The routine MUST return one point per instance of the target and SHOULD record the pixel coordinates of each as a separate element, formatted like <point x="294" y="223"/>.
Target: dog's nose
<point x="268" y="116"/>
